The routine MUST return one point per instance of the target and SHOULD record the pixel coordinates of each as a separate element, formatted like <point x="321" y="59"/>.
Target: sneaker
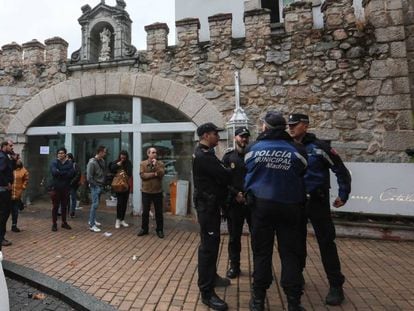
<point x="15" y="229"/>
<point x="65" y="225"/>
<point x="124" y="224"/>
<point x="335" y="296"/>
<point x="94" y="229"/>
<point x="54" y="227"/>
<point x="6" y="242"/>
<point x="72" y="214"/>
<point x="117" y="224"/>
<point x="96" y="223"/>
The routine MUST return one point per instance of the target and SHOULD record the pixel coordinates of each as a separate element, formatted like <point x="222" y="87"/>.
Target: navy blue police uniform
<point x="237" y="212"/>
<point x="211" y="179"/>
<point x="321" y="158"/>
<point x="275" y="187"/>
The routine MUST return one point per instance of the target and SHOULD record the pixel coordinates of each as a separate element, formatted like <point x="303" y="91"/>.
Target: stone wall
<point x="353" y="80"/>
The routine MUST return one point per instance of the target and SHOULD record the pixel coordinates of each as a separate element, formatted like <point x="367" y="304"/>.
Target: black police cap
<point x="241" y="131"/>
<point x="274" y="120"/>
<point x="295" y="118"/>
<point x="207" y="127"/>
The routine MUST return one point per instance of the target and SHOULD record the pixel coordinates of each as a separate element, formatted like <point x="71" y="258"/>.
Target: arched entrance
<point x="122" y="111"/>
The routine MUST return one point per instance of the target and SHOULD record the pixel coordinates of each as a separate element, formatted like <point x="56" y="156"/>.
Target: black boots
<point x="221" y="282"/>
<point x="335" y="296"/>
<point x="294" y="303"/>
<point x="257" y="302"/>
<point x="233" y="272"/>
<point x="213" y="301"/>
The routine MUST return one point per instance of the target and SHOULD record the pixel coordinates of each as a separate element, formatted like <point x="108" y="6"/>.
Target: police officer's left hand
<point x="338" y="202"/>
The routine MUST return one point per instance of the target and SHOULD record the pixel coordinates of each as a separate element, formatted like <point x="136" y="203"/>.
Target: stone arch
<point x="190" y="103"/>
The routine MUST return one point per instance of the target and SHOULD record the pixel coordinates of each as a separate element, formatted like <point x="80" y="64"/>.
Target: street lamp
<point x="239" y="117"/>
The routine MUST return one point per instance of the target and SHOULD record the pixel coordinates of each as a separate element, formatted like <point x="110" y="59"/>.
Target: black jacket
<point x="209" y="174"/>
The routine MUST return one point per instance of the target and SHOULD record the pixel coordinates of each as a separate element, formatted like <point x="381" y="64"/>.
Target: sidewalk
<point x="163" y="275"/>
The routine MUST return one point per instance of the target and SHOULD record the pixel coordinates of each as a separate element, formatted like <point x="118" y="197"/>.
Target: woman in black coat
<point x="122" y="163"/>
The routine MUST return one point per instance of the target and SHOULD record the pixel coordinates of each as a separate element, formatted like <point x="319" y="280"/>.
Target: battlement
<point x="13" y="55"/>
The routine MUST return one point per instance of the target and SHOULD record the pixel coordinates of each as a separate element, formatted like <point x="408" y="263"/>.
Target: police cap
<point x="206" y="128"/>
<point x="274" y="120"/>
<point x="241" y="131"/>
<point x="295" y="118"/>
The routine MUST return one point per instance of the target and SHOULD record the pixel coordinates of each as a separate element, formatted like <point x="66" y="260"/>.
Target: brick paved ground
<point x="20" y="301"/>
<point x="379" y="274"/>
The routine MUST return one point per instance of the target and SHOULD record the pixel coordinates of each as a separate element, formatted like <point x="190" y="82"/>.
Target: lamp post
<point x="239" y="117"/>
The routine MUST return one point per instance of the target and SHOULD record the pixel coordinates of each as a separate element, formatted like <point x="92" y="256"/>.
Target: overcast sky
<point x="24" y="20"/>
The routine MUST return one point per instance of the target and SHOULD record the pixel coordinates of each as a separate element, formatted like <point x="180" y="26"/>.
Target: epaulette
<point x="228" y="150"/>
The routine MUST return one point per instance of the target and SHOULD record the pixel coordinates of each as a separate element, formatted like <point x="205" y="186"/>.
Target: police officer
<point x="238" y="211"/>
<point x="322" y="158"/>
<point x="275" y="189"/>
<point x="211" y="179"/>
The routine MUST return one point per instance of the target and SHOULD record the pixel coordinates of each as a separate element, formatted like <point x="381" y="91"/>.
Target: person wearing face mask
<point x="21" y="179"/>
<point x="237" y="210"/>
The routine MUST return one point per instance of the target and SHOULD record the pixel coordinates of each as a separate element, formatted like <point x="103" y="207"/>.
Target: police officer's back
<point x="210" y="182"/>
<point x="274" y="180"/>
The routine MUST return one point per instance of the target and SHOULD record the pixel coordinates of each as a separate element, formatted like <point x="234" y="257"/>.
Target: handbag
<point x="120" y="182"/>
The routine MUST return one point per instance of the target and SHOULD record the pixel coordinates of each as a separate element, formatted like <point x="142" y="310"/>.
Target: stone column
<point x="56" y="50"/>
<point x="33" y="53"/>
<point x="338" y="14"/>
<point x="12" y="55"/>
<point x="257" y="25"/>
<point x="157" y="37"/>
<point x="298" y="17"/>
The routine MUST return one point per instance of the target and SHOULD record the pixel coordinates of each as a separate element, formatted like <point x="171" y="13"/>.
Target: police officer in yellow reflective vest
<point x="211" y="179"/>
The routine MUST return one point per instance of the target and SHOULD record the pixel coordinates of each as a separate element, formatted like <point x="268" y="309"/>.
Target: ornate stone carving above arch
<point x="193" y="105"/>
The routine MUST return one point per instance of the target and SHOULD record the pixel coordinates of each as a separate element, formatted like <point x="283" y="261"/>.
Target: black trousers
<point x="269" y="218"/>
<point x="235" y="222"/>
<point x="147" y="199"/>
<point x="121" y="205"/>
<point x="5" y="208"/>
<point x="319" y="213"/>
<point x="209" y="219"/>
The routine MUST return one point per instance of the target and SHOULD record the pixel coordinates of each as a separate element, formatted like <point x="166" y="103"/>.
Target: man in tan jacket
<point x="152" y="171"/>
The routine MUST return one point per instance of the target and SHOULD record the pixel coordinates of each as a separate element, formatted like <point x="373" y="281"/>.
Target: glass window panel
<point x="52" y="117"/>
<point x="154" y="111"/>
<point x="175" y="150"/>
<point x="103" y="110"/>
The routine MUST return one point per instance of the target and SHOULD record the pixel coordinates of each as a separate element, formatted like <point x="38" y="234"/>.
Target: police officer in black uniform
<point x="211" y="179"/>
<point x="237" y="211"/>
<point x="322" y="158"/>
<point x="275" y="189"/>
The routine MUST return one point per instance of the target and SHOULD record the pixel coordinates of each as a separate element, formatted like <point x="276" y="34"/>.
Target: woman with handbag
<point x="122" y="168"/>
<point x="21" y="179"/>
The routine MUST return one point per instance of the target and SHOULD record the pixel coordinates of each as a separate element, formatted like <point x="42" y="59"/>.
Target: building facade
<point x="354" y="78"/>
